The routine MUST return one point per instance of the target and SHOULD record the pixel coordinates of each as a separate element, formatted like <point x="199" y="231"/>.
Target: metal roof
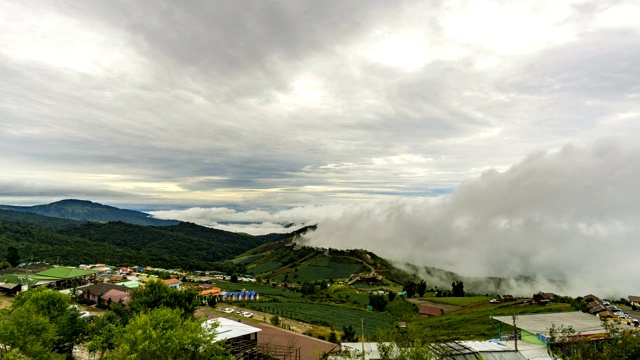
<point x="229" y="329"/>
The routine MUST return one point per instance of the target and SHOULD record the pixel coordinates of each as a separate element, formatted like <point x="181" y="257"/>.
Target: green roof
<point x="18" y="279"/>
<point x="66" y="272"/>
<point x="130" y="284"/>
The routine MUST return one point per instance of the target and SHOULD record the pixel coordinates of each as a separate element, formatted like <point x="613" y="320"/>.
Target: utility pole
<point x="515" y="332"/>
<point x="362" y="328"/>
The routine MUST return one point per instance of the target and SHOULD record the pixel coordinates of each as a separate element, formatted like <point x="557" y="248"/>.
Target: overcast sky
<point x="299" y="111"/>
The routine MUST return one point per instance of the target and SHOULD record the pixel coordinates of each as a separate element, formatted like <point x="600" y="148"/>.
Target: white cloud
<point x="567" y="215"/>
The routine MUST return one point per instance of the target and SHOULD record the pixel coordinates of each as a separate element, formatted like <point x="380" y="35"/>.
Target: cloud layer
<point x="569" y="216"/>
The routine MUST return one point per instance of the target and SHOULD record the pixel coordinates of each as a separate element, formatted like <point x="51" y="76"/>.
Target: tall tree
<point x="13" y="256"/>
<point x="422" y="288"/>
<point x="410" y="288"/>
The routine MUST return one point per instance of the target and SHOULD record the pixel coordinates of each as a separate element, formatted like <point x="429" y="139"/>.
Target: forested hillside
<point x="186" y="246"/>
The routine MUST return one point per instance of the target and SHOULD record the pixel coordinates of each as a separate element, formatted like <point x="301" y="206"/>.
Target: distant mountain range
<point x="72" y="232"/>
<point x="89" y="211"/>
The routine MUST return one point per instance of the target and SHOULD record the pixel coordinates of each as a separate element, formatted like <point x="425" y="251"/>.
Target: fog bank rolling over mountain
<point x="570" y="215"/>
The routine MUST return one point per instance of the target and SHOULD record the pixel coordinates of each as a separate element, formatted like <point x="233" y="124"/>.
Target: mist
<point x="568" y="220"/>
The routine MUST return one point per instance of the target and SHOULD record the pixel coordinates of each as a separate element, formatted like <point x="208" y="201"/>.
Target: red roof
<point x="310" y="348"/>
<point x="171" y="281"/>
<point x="431" y="310"/>
<point x="116" y="296"/>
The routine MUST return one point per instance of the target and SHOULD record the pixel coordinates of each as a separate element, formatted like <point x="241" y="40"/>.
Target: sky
<point x="450" y="127"/>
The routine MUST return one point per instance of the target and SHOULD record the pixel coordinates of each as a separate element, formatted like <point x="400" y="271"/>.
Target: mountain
<point x="90" y="211"/>
<point x="185" y="245"/>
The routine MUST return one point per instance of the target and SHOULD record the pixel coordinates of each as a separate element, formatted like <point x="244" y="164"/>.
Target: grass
<point x="460" y="301"/>
<point x="473" y="322"/>
<point x="332" y="316"/>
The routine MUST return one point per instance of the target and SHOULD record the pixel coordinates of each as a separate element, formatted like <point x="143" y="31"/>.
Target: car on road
<point x="227" y="310"/>
<point x="247" y="314"/>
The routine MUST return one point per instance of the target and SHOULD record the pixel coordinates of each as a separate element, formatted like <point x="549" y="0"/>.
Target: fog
<point x="567" y="219"/>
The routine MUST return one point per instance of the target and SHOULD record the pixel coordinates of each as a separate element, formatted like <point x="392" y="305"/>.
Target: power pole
<point x="515" y="332"/>
<point x="362" y="328"/>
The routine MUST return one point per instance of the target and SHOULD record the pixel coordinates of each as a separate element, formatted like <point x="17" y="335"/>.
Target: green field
<point x="473" y="322"/>
<point x="332" y="316"/>
<point x="460" y="301"/>
<point x="262" y="289"/>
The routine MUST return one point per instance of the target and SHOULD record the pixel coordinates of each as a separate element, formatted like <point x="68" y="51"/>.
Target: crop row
<point x="335" y="317"/>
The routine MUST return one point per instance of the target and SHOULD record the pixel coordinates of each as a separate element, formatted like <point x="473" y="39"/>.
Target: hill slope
<point x="90" y="211"/>
<point x="185" y="246"/>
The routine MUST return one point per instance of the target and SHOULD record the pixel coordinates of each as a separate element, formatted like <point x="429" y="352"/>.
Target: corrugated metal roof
<point x="229" y="329"/>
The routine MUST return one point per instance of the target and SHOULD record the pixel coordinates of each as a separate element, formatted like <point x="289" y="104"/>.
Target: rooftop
<point x="540" y="324"/>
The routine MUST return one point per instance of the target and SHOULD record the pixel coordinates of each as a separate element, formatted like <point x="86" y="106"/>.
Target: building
<point x="430" y="310"/>
<point x="8" y="288"/>
<point x="116" y="296"/>
<point x="278" y="343"/>
<point x="95" y="293"/>
<point x="634" y="300"/>
<point x="241" y="339"/>
<point x="536" y="328"/>
<point x="173" y="283"/>
<point x="367" y="351"/>
<point x="463" y="350"/>
<point x="543" y="298"/>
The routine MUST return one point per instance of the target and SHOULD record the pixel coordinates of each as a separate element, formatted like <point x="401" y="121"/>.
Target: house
<point x="430" y="310"/>
<point x="94" y="293"/>
<point x="590" y="298"/>
<point x="506" y="297"/>
<point x="173" y="283"/>
<point x="116" y="296"/>
<point x="543" y="298"/>
<point x="8" y="288"/>
<point x="634" y="300"/>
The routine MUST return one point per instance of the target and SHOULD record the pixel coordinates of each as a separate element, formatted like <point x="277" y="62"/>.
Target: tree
<point x="422" y="288"/>
<point x="333" y="337"/>
<point x="40" y="323"/>
<point x="457" y="289"/>
<point x="156" y="294"/>
<point x="307" y="288"/>
<point x="391" y="295"/>
<point x="348" y="334"/>
<point x="13" y="256"/>
<point x="377" y="302"/>
<point x="410" y="288"/>
<point x="165" y="334"/>
<point x="275" y="320"/>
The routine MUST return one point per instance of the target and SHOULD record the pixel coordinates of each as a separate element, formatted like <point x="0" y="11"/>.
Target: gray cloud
<point x="567" y="215"/>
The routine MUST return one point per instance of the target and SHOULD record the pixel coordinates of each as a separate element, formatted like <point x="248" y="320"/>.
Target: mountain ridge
<point x="86" y="210"/>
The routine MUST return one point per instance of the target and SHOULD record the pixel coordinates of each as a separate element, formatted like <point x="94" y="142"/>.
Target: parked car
<point x="227" y="310"/>
<point x="494" y="301"/>
<point x="247" y="314"/>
